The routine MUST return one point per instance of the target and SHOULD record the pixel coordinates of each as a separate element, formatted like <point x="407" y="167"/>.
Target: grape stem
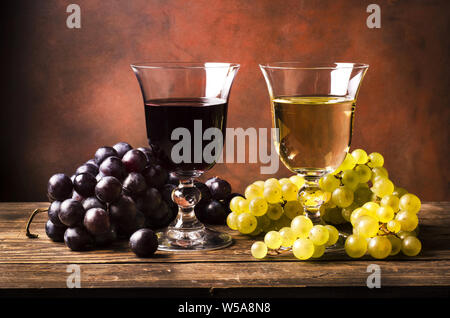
<point x="385" y="230"/>
<point x="278" y="251"/>
<point x="27" y="229"/>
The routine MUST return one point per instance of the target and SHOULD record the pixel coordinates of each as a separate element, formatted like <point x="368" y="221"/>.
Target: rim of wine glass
<point x="313" y="66"/>
<point x="183" y="65"/>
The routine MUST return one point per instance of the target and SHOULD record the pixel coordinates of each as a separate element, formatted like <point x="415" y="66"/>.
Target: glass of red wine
<point x="186" y="112"/>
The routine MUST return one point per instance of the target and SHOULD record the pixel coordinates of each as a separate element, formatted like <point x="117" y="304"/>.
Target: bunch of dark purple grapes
<point x="119" y="192"/>
<point x="110" y="197"/>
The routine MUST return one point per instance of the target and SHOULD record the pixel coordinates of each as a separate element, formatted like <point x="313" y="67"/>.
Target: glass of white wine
<point x="312" y="110"/>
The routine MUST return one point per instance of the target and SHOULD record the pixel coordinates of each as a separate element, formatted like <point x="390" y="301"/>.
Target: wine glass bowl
<point x="313" y="111"/>
<point x="186" y="108"/>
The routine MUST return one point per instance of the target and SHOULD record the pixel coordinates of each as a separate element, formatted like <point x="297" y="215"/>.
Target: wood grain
<point x="41" y="263"/>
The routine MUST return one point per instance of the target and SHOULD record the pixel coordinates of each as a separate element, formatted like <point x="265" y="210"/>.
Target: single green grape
<point x="292" y="209"/>
<point x="383" y="187"/>
<point x="379" y="172"/>
<point x="301" y="226"/>
<point x="243" y="206"/>
<point x="319" y="235"/>
<point x="391" y="201"/>
<point x="342" y="196"/>
<point x="284" y="221"/>
<point x="363" y="185"/>
<point x="253" y="191"/>
<point x="396" y="244"/>
<point x="246" y="223"/>
<point x="372" y="207"/>
<point x="350" y="179"/>
<point x="297" y="180"/>
<point x="357" y="213"/>
<point x="272" y="182"/>
<point x="274" y="211"/>
<point x="379" y="247"/>
<point x="289" y="191"/>
<point x="394" y="226"/>
<point x="411" y="246"/>
<point x="410" y="202"/>
<point x="258" y="206"/>
<point x="283" y="181"/>
<point x="355" y="246"/>
<point x="348" y="163"/>
<point x="264" y="223"/>
<point x="272" y="194"/>
<point x="399" y="192"/>
<point x="362" y="195"/>
<point x="404" y="234"/>
<point x="375" y="160"/>
<point x="364" y="173"/>
<point x="360" y="156"/>
<point x="347" y="212"/>
<point x="232" y="220"/>
<point x="407" y="220"/>
<point x="288" y="237"/>
<point x="234" y="204"/>
<point x="258" y="230"/>
<point x="303" y="248"/>
<point x="333" y="235"/>
<point x="259" y="183"/>
<point x="331" y="215"/>
<point x="319" y="250"/>
<point x="385" y="214"/>
<point x="259" y="250"/>
<point x="367" y="226"/>
<point x="273" y="240"/>
<point x="329" y="183"/>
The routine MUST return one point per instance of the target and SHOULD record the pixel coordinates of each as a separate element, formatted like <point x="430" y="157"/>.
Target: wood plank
<point x="226" y="275"/>
<point x="16" y="248"/>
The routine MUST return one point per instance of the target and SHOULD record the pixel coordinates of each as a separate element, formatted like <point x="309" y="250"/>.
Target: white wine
<point x="314" y="132"/>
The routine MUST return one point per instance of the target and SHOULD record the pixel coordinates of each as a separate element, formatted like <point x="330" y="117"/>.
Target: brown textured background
<point x="66" y="92"/>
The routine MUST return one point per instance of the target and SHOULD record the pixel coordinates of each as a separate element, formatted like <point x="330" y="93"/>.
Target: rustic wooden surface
<point x="40" y="263"/>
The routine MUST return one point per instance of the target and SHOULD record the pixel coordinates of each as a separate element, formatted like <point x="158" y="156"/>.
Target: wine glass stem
<point x="186" y="196"/>
<point x="311" y="197"/>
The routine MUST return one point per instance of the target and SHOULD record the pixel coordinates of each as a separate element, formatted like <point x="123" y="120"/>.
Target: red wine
<point x="164" y="115"/>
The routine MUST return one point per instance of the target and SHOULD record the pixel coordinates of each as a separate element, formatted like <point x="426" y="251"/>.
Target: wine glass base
<point x="202" y="239"/>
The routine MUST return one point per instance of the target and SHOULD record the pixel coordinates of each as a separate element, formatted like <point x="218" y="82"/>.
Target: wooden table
<point x="40" y="265"/>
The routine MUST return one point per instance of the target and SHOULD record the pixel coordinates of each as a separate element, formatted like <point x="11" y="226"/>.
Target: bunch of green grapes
<point x="302" y="237"/>
<point x="383" y="216"/>
<point x="267" y="206"/>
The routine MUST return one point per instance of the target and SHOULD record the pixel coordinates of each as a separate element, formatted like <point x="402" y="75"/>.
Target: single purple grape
<point x="123" y="211"/>
<point x="108" y="189"/>
<point x="104" y="152"/>
<point x="122" y="148"/>
<point x="134" y="184"/>
<point x="93" y="202"/>
<point x="134" y="160"/>
<point x="53" y="213"/>
<point x="71" y="212"/>
<point x="113" y="166"/>
<point x="144" y="243"/>
<point x="219" y="189"/>
<point x="155" y="176"/>
<point x="84" y="184"/>
<point x="59" y="187"/>
<point x="55" y="232"/>
<point x="96" y="221"/>
<point x="88" y="167"/>
<point x="77" y="238"/>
